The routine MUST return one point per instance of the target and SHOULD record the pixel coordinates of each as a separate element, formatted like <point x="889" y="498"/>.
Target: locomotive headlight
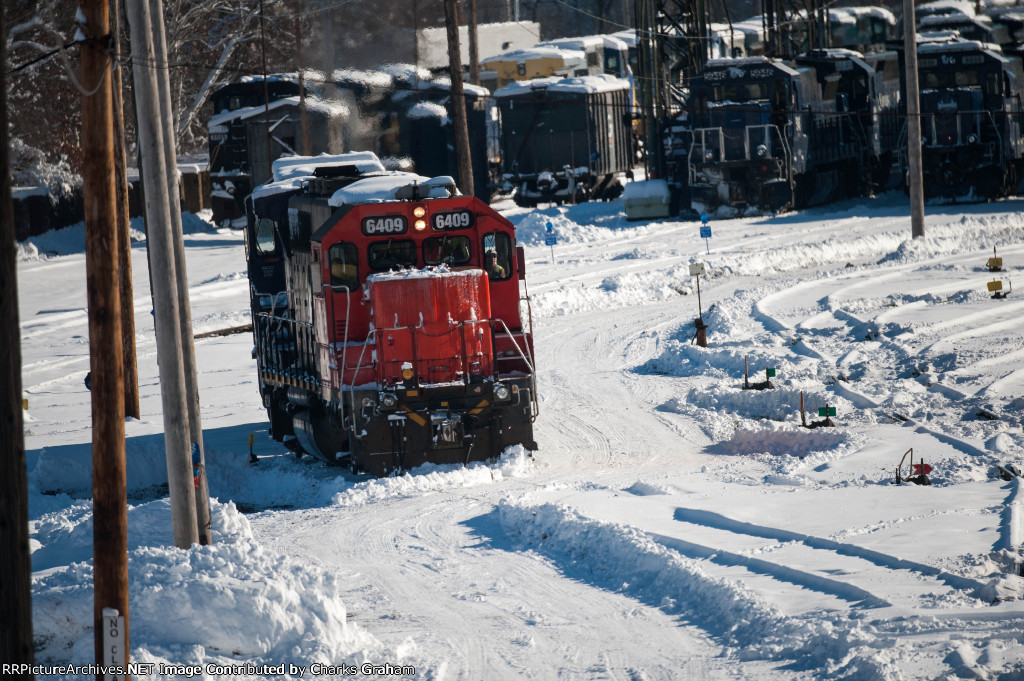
<point x="419" y="211"/>
<point x="420" y="225"/>
<point x="709" y="155"/>
<point x="501" y="391"/>
<point x="972" y="139"/>
<point x="762" y="151"/>
<point x="388" y="400"/>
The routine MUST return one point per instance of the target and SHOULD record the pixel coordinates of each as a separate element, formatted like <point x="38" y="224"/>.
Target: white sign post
<point x="113" y="643"/>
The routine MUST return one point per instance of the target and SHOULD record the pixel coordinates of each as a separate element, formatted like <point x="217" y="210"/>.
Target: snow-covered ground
<point x="671" y="526"/>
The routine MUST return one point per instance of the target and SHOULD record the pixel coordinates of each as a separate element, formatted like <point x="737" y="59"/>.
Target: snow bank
<point x="516" y="462"/>
<point x="234" y="599"/>
<point x="625" y="560"/>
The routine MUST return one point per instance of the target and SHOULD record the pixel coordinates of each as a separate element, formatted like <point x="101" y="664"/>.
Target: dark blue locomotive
<point x="972" y="120"/>
<point x="768" y="134"/>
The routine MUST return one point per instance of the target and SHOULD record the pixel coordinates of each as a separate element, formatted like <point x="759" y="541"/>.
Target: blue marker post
<point x="705" y="231"/>
<point x="551" y="240"/>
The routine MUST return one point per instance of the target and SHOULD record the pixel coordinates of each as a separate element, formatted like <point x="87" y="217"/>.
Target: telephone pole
<point x="914" y="178"/>
<point x="124" y="244"/>
<point x="15" y="564"/>
<point x="110" y="510"/>
<point x="458" y="99"/>
<point x="164" y="276"/>
<point x="474" y="52"/>
<point x="188" y="347"/>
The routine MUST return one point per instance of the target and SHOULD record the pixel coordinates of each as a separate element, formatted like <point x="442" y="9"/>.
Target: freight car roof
<point x="519" y="87"/>
<point x="589" y="84"/>
<point x="539" y="52"/>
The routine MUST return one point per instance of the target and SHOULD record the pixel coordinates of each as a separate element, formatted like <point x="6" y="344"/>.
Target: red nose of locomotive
<point x="431" y="326"/>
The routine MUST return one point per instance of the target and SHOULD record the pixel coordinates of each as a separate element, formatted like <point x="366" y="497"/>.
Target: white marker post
<point x="113" y="644"/>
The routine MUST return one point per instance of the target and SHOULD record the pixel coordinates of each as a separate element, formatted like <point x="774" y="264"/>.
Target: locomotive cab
<point x="746" y="140"/>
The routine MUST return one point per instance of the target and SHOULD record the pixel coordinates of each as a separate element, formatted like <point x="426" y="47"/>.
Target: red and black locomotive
<point x="390" y="328"/>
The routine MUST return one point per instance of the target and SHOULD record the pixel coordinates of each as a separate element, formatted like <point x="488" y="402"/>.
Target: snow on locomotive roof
<point x="445" y="83"/>
<point x="331" y="107"/>
<point x="730" y="62"/>
<point x="518" y="87"/>
<point x="957" y="18"/>
<point x="537" y="52"/>
<point x="380" y="188"/>
<point x="408" y="73"/>
<point x="291" y="171"/>
<point x="288" y="167"/>
<point x="837" y="52"/>
<point x="725" y="62"/>
<point x="590" y="84"/>
<point x="427" y="110"/>
<point x="271" y="78"/>
<point x="960" y="45"/>
<point x="628" y="37"/>
<point x="584" y="41"/>
<point x="946" y="6"/>
<point x="368" y="78"/>
<point x="249" y="111"/>
<point x="876" y="12"/>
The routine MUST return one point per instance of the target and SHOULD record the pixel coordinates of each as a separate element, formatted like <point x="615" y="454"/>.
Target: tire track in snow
<point x="621" y="558"/>
<point x="884" y="560"/>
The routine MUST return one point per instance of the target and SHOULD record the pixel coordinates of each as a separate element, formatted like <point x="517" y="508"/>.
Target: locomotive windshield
<point x="938" y="79"/>
<point x="450" y="250"/>
<point x="739" y="92"/>
<point x="390" y="254"/>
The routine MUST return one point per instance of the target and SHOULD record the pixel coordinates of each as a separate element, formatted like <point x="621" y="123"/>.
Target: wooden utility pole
<point x="915" y="181"/>
<point x="163" y="275"/>
<point x="110" y="504"/>
<point x="188" y="348"/>
<point x="307" y="148"/>
<point x="416" y="39"/>
<point x="15" y="565"/>
<point x="474" y="52"/>
<point x="458" y="99"/>
<point x="266" y="94"/>
<point x="124" y="244"/>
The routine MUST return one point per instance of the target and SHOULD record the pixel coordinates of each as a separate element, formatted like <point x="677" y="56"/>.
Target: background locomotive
<point x="773" y="135"/>
<point x="400" y="114"/>
<point x="972" y="120"/>
<point x="387" y="316"/>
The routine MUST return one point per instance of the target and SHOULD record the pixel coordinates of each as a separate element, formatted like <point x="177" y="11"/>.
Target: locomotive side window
<point x="266" y="244"/>
<point x="450" y="250"/>
<point x="497" y="248"/>
<point x="344" y="269"/>
<point x="390" y="254"/>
